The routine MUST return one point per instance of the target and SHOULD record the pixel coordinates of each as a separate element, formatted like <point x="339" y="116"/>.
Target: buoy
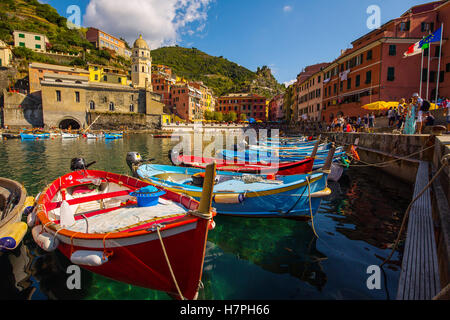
<point x="44" y="240"/>
<point x="89" y="258"/>
<point x="271" y="177"/>
<point x="229" y="198"/>
<point x="12" y="235"/>
<point x="67" y="215"/>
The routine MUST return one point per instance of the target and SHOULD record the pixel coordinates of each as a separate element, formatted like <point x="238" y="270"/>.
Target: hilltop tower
<point x="141" y="68"/>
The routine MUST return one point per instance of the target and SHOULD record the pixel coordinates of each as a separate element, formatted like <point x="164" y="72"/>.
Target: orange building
<point x="252" y="105"/>
<point x="375" y="69"/>
<point x="103" y="40"/>
<point x="185" y="102"/>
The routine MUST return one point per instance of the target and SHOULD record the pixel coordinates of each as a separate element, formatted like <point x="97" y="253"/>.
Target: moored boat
<point x="65" y="135"/>
<point x="113" y="136"/>
<point x="241" y="194"/>
<point x="125" y="229"/>
<point x="34" y="136"/>
<point x="13" y="203"/>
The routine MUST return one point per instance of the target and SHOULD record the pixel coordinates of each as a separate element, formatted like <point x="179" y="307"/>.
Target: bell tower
<point x="141" y="66"/>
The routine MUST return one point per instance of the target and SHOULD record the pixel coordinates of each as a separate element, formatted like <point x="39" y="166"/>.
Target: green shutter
<point x="22" y="44"/>
<point x="21" y="35"/>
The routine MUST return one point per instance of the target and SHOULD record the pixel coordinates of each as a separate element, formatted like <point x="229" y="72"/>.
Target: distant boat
<point x="70" y="136"/>
<point x="113" y="136"/>
<point x="13" y="203"/>
<point x="94" y="136"/>
<point x="34" y="136"/>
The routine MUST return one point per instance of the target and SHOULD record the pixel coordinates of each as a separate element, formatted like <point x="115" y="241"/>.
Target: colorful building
<point x="375" y="69"/>
<point x="276" y="110"/>
<point x="106" y="74"/>
<point x="309" y="104"/>
<point x="141" y="67"/>
<point x="34" y="41"/>
<point x="252" y="105"/>
<point x="103" y="40"/>
<point x="186" y="102"/>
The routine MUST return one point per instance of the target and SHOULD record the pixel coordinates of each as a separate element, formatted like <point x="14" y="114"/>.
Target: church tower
<point x="141" y="67"/>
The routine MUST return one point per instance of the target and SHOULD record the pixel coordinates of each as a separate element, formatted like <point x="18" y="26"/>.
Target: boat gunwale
<point x="18" y="209"/>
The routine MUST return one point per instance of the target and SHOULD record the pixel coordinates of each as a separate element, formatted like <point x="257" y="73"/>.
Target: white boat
<point x="69" y="135"/>
<point x="94" y="136"/>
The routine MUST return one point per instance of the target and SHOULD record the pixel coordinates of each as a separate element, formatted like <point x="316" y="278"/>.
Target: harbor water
<point x="245" y="258"/>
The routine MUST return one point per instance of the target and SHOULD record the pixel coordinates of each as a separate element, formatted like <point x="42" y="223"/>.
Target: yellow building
<point x="5" y="55"/>
<point x="105" y="74"/>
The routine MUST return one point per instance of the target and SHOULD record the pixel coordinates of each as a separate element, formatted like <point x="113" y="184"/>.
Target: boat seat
<point x="103" y="196"/>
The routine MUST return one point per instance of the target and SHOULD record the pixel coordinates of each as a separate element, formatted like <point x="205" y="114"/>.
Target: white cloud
<point x="161" y="22"/>
<point x="287" y="8"/>
<point x="288" y="83"/>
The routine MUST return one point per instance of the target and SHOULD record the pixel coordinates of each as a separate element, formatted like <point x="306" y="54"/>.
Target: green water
<point x="245" y="258"/>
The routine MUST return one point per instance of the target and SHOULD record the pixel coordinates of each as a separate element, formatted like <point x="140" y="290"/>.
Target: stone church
<point x="71" y="100"/>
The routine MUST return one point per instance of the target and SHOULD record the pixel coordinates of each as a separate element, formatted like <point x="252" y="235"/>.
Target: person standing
<point x="410" y="120"/>
<point x="391" y="117"/>
<point x="372" y="120"/>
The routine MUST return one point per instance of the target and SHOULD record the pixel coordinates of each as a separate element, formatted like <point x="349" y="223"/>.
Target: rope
<point x="310" y="207"/>
<point x="405" y="218"/>
<point x="168" y="263"/>
<point x="384" y="164"/>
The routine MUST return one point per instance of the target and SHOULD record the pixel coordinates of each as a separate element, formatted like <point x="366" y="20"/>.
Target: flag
<point x="435" y="37"/>
<point x="413" y="50"/>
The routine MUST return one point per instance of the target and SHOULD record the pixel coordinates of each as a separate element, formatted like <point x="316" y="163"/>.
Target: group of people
<point x="409" y="117"/>
<point x="347" y="124"/>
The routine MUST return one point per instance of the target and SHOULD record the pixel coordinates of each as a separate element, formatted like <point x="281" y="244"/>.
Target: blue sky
<point x="285" y="35"/>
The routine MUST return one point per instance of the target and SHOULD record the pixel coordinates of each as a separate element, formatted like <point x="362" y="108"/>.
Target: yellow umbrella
<point x="381" y="105"/>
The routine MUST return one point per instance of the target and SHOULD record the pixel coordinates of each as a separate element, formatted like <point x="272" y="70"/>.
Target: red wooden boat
<point x="281" y="169"/>
<point x="161" y="247"/>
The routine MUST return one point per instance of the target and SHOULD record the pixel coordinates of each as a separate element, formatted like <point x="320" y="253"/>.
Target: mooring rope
<point x="310" y="207"/>
<point x="445" y="161"/>
<point x="168" y="262"/>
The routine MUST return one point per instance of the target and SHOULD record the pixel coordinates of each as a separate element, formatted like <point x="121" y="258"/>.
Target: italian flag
<point x="413" y="50"/>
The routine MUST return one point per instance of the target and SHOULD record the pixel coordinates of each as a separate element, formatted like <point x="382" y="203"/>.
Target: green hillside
<point x="218" y="73"/>
<point x="32" y="16"/>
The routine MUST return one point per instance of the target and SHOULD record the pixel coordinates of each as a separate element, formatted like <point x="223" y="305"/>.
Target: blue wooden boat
<point x="34" y="136"/>
<point x="113" y="136"/>
<point x="240" y="194"/>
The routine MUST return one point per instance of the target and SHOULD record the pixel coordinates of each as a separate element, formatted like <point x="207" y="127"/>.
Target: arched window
<point x="92" y="105"/>
<point x="131" y="107"/>
<point x="143" y="69"/>
<point x="111" y="106"/>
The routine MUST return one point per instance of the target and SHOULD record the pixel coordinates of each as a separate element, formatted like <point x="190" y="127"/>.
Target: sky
<point x="286" y="35"/>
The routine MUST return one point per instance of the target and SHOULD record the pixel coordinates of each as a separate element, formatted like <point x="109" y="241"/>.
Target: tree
<point x="209" y="115"/>
<point x="243" y="117"/>
<point x="218" y="116"/>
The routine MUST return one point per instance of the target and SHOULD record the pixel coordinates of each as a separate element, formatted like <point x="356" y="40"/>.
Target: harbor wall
<point x="385" y="147"/>
<point x="21" y="111"/>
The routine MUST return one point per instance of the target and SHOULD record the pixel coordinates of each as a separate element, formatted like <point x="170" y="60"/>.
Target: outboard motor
<point x="134" y="159"/>
<point x="173" y="157"/>
<point x="80" y="164"/>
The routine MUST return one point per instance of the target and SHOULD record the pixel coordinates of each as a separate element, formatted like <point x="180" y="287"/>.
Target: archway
<point x="69" y="124"/>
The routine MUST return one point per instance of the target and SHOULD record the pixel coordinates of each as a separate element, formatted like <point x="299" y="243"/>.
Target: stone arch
<point x="69" y="122"/>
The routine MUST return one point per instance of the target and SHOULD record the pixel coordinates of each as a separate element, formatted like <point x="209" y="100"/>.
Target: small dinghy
<point x="13" y="203"/>
<point x="240" y="194"/>
<point x="113" y="136"/>
<point x="70" y="136"/>
<point x="125" y="229"/>
<point x="34" y="136"/>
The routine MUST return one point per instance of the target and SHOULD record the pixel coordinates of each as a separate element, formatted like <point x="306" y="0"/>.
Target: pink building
<point x="276" y="110"/>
